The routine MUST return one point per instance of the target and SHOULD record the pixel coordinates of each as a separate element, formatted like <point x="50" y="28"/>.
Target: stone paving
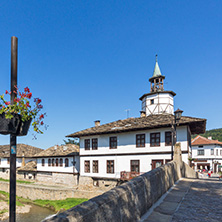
<point x="189" y="201"/>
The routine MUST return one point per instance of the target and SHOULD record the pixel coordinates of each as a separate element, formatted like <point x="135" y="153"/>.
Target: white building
<point x="206" y="153"/>
<point x="59" y="164"/>
<point x="128" y="147"/>
<point x="25" y="154"/>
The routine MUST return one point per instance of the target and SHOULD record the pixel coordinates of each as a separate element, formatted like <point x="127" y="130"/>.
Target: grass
<point x="55" y="205"/>
<point x="3" y="211"/>
<point x="6" y="198"/>
<point x="18" y="181"/>
<point x="60" y="204"/>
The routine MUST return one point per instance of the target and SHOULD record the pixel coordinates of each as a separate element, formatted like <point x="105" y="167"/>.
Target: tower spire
<point x="156" y="71"/>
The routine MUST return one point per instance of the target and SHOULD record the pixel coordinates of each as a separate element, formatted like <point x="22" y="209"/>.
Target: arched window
<point x="61" y="162"/>
<point x="53" y="162"/>
<point x="43" y="162"/>
<point x="66" y="162"/>
<point x="49" y="162"/>
<point x="57" y="162"/>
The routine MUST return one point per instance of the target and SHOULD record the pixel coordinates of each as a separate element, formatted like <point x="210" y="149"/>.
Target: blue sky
<point x="91" y="60"/>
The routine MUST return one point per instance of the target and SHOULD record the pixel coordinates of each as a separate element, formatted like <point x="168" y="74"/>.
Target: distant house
<point x="206" y="153"/>
<point x="126" y="148"/>
<point x="59" y="164"/>
<point x="25" y="154"/>
<point x="28" y="171"/>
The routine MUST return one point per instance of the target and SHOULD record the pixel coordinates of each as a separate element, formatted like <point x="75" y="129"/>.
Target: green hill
<point x="216" y="134"/>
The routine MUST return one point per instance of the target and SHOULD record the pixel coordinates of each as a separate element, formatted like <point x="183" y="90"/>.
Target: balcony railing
<point x="129" y="175"/>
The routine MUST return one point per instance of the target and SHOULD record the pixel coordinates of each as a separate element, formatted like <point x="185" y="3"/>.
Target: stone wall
<point x="34" y="192"/>
<point x="5" y="175"/>
<point x="129" y="201"/>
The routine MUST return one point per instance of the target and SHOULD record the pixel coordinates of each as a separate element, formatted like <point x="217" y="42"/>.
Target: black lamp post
<point x="176" y="120"/>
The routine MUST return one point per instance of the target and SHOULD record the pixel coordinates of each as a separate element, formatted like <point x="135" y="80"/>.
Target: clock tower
<point x="158" y="100"/>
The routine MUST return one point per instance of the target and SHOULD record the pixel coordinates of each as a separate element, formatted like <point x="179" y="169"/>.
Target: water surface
<point x="36" y="214"/>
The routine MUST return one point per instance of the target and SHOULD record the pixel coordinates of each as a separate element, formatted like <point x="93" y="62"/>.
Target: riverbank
<point x="4" y="206"/>
<point x="24" y="205"/>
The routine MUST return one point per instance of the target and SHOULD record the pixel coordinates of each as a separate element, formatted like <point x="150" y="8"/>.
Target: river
<point x="36" y="214"/>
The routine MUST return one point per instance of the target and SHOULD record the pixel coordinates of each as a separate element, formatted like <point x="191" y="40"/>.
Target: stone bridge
<point x="154" y="196"/>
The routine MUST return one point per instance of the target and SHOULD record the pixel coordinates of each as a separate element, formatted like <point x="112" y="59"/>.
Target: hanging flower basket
<point x="9" y="126"/>
<point x="23" y="128"/>
<point x="16" y="117"/>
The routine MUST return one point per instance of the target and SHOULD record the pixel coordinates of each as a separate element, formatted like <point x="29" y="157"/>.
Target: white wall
<point x="163" y="102"/>
<point x="126" y="144"/>
<point x="211" y="159"/>
<point x="5" y="164"/>
<point x="207" y="151"/>
<point x="69" y="169"/>
<point x="121" y="163"/>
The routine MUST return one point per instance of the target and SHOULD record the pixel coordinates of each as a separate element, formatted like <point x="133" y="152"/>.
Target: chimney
<point x="97" y="123"/>
<point x="142" y="113"/>
<point x="23" y="159"/>
<point x="209" y="138"/>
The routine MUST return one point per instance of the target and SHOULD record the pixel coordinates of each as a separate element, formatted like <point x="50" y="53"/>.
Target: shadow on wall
<point x="129" y="201"/>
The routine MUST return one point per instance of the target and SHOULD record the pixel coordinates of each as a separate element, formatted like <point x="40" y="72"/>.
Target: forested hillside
<point x="216" y="134"/>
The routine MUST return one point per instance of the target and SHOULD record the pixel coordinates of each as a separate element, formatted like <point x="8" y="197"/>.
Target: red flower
<point x="6" y="92"/>
<point x="7" y="103"/>
<point x="41" y="116"/>
<point x="29" y="95"/>
<point x="27" y="104"/>
<point x="42" y="123"/>
<point x="27" y="90"/>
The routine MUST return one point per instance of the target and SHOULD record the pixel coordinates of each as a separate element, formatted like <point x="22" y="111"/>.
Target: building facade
<point x="25" y="154"/>
<point x="206" y="153"/>
<point x="127" y="148"/>
<point x="59" y="164"/>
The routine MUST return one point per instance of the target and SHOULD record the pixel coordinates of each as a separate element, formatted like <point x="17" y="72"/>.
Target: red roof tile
<point x="200" y="140"/>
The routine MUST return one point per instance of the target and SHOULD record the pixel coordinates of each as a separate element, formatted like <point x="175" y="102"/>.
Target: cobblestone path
<point x="203" y="202"/>
<point x="189" y="201"/>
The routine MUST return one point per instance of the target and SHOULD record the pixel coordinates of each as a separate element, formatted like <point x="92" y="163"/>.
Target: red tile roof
<point x="200" y="140"/>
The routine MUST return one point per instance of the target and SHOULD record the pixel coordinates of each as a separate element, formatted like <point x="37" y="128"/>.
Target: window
<point x="154" y="139"/>
<point x="53" y="162"/>
<point x="200" y="146"/>
<point x="95" y="166"/>
<point x="87" y="144"/>
<point x="212" y="151"/>
<point x="200" y="152"/>
<point x="49" y="162"/>
<point x="61" y="162"/>
<point x="151" y="101"/>
<point x="220" y="154"/>
<point x="57" y="162"/>
<point x="113" y="142"/>
<point x="0" y="161"/>
<point x="140" y="140"/>
<point x="216" y="152"/>
<point x="110" y="166"/>
<point x="95" y="144"/>
<point x="43" y="162"/>
<point x="156" y="163"/>
<point x="168" y="138"/>
<point x="135" y="166"/>
<point x="66" y="162"/>
<point x="87" y="166"/>
<point x="8" y="161"/>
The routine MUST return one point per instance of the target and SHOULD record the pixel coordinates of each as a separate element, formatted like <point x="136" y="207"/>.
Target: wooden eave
<point x="197" y="125"/>
<point x="157" y="92"/>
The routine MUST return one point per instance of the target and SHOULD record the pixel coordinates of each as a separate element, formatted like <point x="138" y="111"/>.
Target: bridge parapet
<point x="129" y="201"/>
